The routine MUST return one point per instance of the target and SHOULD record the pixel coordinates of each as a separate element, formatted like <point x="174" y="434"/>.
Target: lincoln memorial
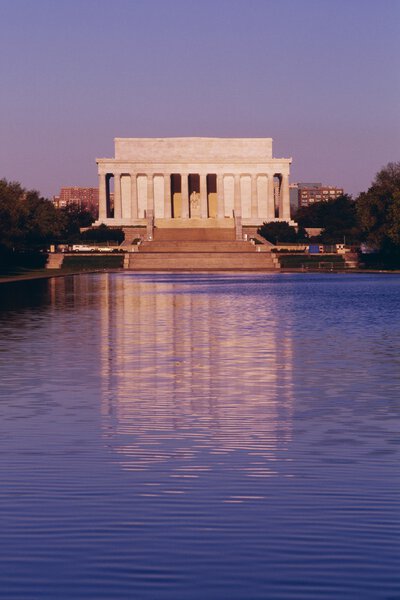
<point x="193" y="180"/>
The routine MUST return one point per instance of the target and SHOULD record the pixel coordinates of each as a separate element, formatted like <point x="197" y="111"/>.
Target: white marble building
<point x="193" y="180"/>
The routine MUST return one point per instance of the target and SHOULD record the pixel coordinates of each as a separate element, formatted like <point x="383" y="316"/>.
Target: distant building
<point x="310" y="193"/>
<point x="293" y="197"/>
<point x="84" y="198"/>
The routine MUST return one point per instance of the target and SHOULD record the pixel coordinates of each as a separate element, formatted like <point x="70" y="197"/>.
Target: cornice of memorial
<point x="120" y="161"/>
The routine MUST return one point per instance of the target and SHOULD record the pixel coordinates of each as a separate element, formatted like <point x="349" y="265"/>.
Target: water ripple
<point x="212" y="436"/>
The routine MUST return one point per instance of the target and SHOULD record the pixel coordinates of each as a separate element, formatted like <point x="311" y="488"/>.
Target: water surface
<point x="191" y="437"/>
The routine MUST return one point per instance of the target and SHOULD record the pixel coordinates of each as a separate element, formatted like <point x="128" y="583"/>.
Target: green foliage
<point x="295" y="261"/>
<point x="378" y="211"/>
<point x="74" y="218"/>
<point x="27" y="221"/>
<point x="309" y="216"/>
<point x="13" y="263"/>
<point x="103" y="234"/>
<point x="281" y="232"/>
<point x="337" y="217"/>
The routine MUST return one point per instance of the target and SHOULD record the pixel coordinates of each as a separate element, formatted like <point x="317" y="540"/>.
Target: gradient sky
<point x="322" y="77"/>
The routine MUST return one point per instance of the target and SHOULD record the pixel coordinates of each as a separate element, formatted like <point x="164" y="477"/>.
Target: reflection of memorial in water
<point x="188" y="367"/>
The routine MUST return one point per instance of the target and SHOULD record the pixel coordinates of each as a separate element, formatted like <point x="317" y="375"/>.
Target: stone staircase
<point x="200" y="250"/>
<point x="132" y="233"/>
<point x="54" y="261"/>
<point x="200" y="234"/>
<point x="351" y="260"/>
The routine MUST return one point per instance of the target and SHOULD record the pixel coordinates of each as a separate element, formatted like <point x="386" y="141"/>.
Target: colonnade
<point x="265" y="197"/>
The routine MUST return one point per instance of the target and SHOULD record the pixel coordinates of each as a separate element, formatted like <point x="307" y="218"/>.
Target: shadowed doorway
<point x="176" y="196"/>
<point x="212" y="195"/>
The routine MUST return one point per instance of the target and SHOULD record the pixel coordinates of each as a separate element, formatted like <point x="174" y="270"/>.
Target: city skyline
<point x="321" y="78"/>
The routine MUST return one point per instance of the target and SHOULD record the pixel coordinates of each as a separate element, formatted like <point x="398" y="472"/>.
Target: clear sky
<point x="322" y="77"/>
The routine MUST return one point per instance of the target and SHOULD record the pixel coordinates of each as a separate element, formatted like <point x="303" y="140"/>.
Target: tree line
<point x="372" y="219"/>
<point x="29" y="222"/>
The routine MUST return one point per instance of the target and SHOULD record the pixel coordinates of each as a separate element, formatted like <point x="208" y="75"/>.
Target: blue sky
<point x="320" y="77"/>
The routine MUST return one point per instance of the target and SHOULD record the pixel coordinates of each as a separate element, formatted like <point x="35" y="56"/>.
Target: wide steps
<point x="54" y="261"/>
<point x="190" y="246"/>
<point x="201" y="261"/>
<point x="194" y="235"/>
<point x="195" y="249"/>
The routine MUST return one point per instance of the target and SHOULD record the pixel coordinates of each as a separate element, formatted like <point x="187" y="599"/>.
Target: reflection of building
<point x="310" y="193"/>
<point x="84" y="198"/>
<point x="202" y="179"/>
<point x="179" y="377"/>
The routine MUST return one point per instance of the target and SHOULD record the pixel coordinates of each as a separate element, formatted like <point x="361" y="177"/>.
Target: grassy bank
<point x="13" y="263"/>
<point x="75" y="262"/>
<point x="21" y="273"/>
<point x="72" y="264"/>
<point x="323" y="261"/>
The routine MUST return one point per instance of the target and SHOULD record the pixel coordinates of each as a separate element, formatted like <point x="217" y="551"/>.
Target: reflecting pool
<point x="200" y="437"/>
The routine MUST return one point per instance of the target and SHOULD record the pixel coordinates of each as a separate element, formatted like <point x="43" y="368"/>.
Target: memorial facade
<point x="193" y="180"/>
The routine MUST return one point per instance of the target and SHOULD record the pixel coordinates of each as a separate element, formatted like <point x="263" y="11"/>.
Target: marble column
<point x="237" y="202"/>
<point x="102" y="197"/>
<point x="220" y="197"/>
<point x="270" y="198"/>
<point x="117" y="196"/>
<point x="285" y="198"/>
<point x="150" y="195"/>
<point x="185" y="196"/>
<point x="254" y="197"/>
<point x="134" y="197"/>
<point x="203" y="197"/>
<point x="167" y="196"/>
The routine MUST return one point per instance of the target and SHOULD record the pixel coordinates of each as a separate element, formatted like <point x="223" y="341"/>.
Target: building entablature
<point x="272" y="167"/>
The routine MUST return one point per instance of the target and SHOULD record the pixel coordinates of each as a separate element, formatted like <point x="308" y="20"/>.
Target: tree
<point x="9" y="197"/>
<point x="281" y="231"/>
<point x="103" y="234"/>
<point x="74" y="218"/>
<point x="43" y="223"/>
<point x="378" y="211"/>
<point x="310" y="216"/>
<point x="337" y="218"/>
<point x="27" y="221"/>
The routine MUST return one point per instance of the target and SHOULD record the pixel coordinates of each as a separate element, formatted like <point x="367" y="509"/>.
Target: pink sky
<point x="320" y="77"/>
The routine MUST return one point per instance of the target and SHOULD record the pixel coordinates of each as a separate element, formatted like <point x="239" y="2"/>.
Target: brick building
<point x="310" y="193"/>
<point x="85" y="198"/>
